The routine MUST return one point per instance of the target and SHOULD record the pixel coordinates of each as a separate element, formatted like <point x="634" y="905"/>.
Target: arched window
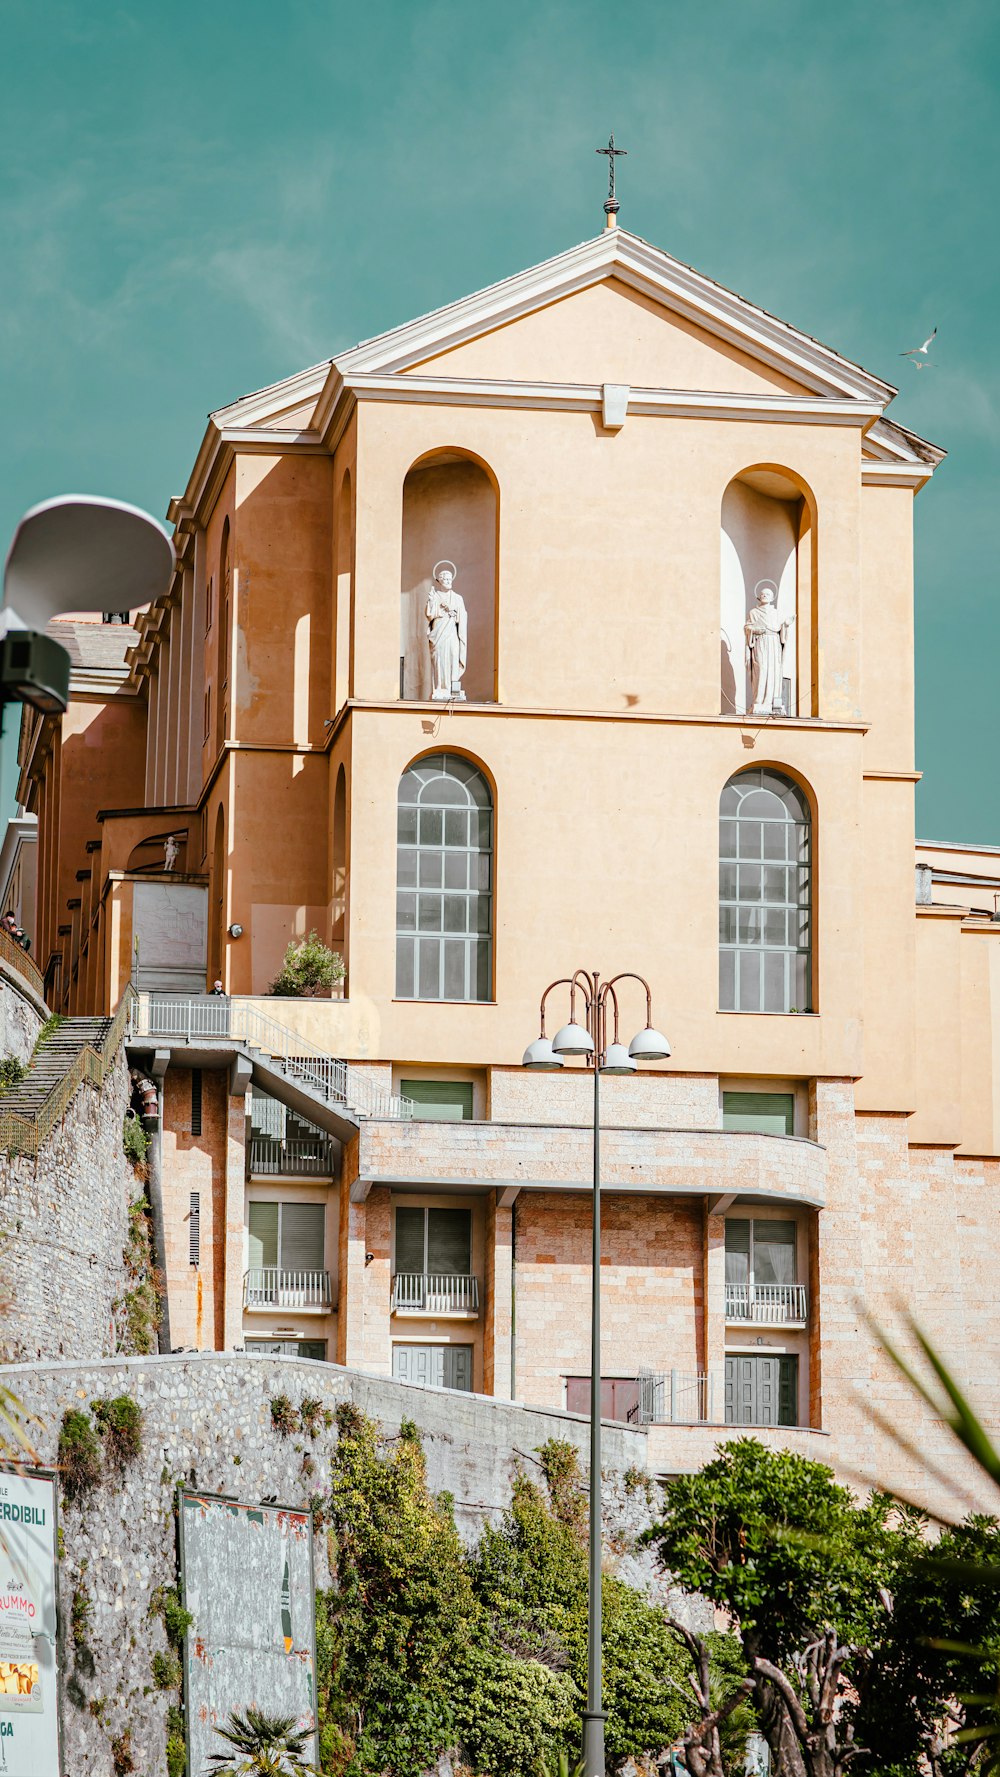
<point x="444" y="881"/>
<point x="765" y="895"/>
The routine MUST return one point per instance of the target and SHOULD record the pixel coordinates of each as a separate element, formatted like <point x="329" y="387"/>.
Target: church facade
<point x="570" y="626"/>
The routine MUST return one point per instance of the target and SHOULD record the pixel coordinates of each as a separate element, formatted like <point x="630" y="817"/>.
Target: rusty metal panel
<point x="247" y="1580"/>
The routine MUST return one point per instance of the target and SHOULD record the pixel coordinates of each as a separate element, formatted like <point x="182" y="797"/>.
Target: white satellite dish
<point x="83" y="553"/>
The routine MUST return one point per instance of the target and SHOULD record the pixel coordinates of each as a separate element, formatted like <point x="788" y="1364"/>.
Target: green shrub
<point x="166" y="1603"/>
<point x="122" y="1761"/>
<point x="312" y="1416"/>
<point x="284" y="1419"/>
<point x="166" y="1670"/>
<point x="80" y="1615"/>
<point x="79" y="1456"/>
<point x="12" y="1072"/>
<point x="119" y="1422"/>
<point x="176" y="1749"/>
<point x="48" y="1030"/>
<point x="309" y="969"/>
<point x="138" y="1308"/>
<point x="135" y="1141"/>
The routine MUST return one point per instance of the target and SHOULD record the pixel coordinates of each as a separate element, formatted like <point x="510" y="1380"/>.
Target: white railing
<point x="269" y="1287"/>
<point x="295" y="1156"/>
<point x="417" y="1292"/>
<point x="240" y="1021"/>
<point x="769" y="1304"/>
<point x="673" y="1397"/>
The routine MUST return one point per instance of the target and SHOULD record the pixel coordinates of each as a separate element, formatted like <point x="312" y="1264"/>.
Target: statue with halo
<point x="766" y="635"/>
<point x="447" y="634"/>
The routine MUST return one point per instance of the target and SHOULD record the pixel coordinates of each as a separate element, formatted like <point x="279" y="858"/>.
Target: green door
<point x="761" y="1390"/>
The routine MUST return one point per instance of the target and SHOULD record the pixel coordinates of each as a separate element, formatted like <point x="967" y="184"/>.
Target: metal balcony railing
<point x="270" y="1287"/>
<point x="294" y="1156"/>
<point x="673" y="1398"/>
<point x="218" y="1015"/>
<point x="420" y="1292"/>
<point x="767" y="1304"/>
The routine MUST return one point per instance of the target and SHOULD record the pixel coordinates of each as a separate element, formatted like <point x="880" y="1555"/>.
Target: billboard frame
<point x="186" y="1491"/>
<point x="39" y="1472"/>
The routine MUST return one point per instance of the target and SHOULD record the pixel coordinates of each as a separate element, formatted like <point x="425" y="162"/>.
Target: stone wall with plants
<point x="75" y="1267"/>
<point x="22" y="1015"/>
<point x="407" y="1482"/>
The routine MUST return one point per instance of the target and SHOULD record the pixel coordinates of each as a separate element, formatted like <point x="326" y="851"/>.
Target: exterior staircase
<point x="284" y="1064"/>
<point x="78" y="1049"/>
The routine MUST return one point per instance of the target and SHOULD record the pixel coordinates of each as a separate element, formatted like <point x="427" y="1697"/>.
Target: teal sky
<point x="197" y="200"/>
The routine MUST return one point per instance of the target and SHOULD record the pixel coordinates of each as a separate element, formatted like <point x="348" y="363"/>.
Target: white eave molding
<point x="838" y="391"/>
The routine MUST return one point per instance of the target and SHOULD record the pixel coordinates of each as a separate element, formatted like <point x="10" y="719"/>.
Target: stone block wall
<point x="64" y="1216"/>
<point x="22" y="1014"/>
<point x="206" y="1421"/>
<point x="652" y="1273"/>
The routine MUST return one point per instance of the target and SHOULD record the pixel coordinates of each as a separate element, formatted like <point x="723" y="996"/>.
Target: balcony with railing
<point x="422" y="1292"/>
<point x="767" y="1304"/>
<point x="290" y="1156"/>
<point x="269" y="1287"/>
<point x="673" y="1397"/>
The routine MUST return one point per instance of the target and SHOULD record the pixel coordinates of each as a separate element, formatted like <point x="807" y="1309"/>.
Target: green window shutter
<point x="263" y="1220"/>
<point x="442" y="1101"/>
<point x="769" y="1113"/>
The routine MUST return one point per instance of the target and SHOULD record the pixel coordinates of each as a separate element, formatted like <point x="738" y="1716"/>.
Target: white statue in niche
<point x="766" y="635"/>
<point x="447" y="634"/>
<point x="171" y="849"/>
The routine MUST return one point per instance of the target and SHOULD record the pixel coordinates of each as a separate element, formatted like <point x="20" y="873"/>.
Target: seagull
<point x="921" y="350"/>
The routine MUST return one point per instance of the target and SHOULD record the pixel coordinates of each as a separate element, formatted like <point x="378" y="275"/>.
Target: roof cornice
<point x="645" y="268"/>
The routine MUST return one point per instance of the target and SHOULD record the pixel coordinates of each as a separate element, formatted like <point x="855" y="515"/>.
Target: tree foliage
<point x="425" y="1647"/>
<point x="309" y="969"/>
<point x="857" y="1632"/>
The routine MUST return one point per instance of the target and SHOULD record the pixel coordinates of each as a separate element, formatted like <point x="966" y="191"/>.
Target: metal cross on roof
<point x="611" y="206"/>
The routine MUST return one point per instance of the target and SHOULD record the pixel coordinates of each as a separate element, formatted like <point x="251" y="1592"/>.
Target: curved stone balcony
<point x="472" y="1157"/>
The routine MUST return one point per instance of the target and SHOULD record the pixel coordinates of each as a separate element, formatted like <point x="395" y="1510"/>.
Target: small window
<point x="444" y="881"/>
<point x="434" y="1242"/>
<point x="439" y="1101"/>
<point x="769" y="1113"/>
<point x="194" y="1229"/>
<point x="314" y="1348"/>
<point x="196" y="1101"/>
<point x="286" y="1236"/>
<point x="208" y="713"/>
<point x="765" y="895"/>
<point x="759" y="1252"/>
<point x="209" y="603"/>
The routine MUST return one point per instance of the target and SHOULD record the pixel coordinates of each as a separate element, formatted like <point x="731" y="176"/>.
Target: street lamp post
<point x="588" y="1039"/>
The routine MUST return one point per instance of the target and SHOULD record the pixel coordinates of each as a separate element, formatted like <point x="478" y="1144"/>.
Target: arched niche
<point x="223" y="634"/>
<point x="340" y="867"/>
<point x="344" y="552"/>
<point x="450" y="513"/>
<point x="217" y="892"/>
<point x="767" y="536"/>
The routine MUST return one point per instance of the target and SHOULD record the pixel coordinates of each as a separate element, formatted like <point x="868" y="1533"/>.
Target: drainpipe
<point x="153" y="1126"/>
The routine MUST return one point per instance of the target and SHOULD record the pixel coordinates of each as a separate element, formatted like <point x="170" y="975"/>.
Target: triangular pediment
<point x="613" y="310"/>
<point x="618" y="283"/>
<point x="610" y="333"/>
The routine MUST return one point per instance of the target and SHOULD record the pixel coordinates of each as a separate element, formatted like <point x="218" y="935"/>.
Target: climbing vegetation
<point x="425" y="1647"/>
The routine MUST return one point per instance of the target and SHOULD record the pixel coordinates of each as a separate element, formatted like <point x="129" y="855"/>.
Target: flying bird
<point x="917" y="352"/>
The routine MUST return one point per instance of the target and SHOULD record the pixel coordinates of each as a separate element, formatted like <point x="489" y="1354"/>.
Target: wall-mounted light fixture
<point x="236" y="931"/>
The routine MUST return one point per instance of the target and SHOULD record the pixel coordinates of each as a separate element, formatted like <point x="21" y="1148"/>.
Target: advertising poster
<point x="247" y="1580"/>
<point x="29" y="1701"/>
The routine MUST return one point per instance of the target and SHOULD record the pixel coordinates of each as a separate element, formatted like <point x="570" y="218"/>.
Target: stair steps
<point x="52" y="1062"/>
